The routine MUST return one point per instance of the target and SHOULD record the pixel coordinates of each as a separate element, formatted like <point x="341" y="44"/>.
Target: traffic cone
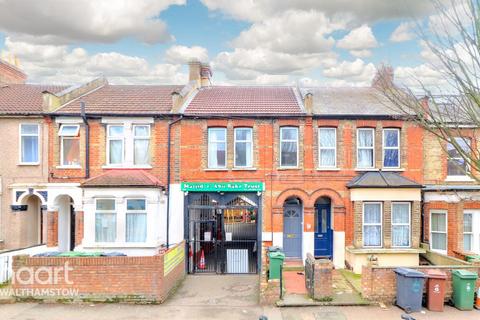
<point x="201" y="265"/>
<point x="477" y="301"/>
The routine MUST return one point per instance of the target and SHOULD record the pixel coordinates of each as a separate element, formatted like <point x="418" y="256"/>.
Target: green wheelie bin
<point x="276" y="261"/>
<point x="463" y="289"/>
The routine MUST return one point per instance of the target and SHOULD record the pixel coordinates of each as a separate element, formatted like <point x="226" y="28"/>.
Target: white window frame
<point x="136" y="212"/>
<point x="135" y="138"/>
<point x="210" y="166"/>
<point x="366" y="148"/>
<point x="289" y="140"/>
<point x="439" y="232"/>
<point x="110" y="138"/>
<point x="475" y="248"/>
<point x="115" y="212"/>
<point x="73" y="136"/>
<point x="320" y="148"/>
<point x="409" y="224"/>
<point x="391" y="148"/>
<point x="242" y="141"/>
<point x="372" y="224"/>
<point x="464" y="176"/>
<point x="20" y="161"/>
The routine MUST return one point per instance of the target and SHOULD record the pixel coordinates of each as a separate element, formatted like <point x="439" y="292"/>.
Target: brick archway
<point x="334" y="196"/>
<point x="294" y="192"/>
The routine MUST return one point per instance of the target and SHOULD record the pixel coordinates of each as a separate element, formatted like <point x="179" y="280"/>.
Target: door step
<point x="293" y="264"/>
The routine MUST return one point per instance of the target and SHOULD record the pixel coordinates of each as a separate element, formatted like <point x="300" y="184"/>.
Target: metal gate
<point x="222" y="232"/>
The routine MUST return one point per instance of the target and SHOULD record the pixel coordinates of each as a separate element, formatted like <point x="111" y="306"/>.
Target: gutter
<point x="87" y="139"/>
<point x="169" y="152"/>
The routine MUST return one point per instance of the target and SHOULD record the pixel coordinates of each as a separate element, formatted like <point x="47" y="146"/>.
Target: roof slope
<point x="237" y="100"/>
<point x="24" y="98"/>
<point x="123" y="178"/>
<point x="351" y="101"/>
<point x="124" y="99"/>
<point x="379" y="179"/>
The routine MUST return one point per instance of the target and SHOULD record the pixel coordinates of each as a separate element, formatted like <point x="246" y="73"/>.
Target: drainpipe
<point x="87" y="140"/>
<point x="169" y="152"/>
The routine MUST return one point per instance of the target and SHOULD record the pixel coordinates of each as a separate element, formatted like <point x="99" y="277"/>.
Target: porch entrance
<point x="222" y="233"/>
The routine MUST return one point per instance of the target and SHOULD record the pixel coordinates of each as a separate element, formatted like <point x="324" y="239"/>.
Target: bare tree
<point x="450" y="109"/>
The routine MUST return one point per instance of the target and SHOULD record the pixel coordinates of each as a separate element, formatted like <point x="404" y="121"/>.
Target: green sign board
<point x="222" y="186"/>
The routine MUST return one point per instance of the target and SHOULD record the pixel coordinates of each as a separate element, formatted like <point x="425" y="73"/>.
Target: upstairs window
<point x="372" y="224"/>
<point x="365" y="148"/>
<point x="136" y="220"/>
<point x="141" y="144"/>
<point x="105" y="220"/>
<point x="69" y="145"/>
<point x="115" y="144"/>
<point x="457" y="166"/>
<point x="243" y="147"/>
<point x="289" y="147"/>
<point x="217" y="148"/>
<point x="327" y="147"/>
<point x="391" y="148"/>
<point x="29" y="143"/>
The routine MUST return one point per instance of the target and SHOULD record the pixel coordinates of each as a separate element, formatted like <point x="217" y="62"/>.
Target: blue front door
<point x="292" y="231"/>
<point x="323" y="231"/>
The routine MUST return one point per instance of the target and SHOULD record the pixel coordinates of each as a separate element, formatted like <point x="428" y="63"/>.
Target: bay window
<point x="105" y="220"/>
<point x="391" y="148"/>
<point x="217" y="148"/>
<point x="136" y="220"/>
<point x="372" y="224"/>
<point x="327" y="147"/>
<point x="401" y="218"/>
<point x="29" y="143"/>
<point x="69" y="145"/>
<point x="288" y="147"/>
<point x="365" y="148"/>
<point x="243" y="147"/>
<point x="438" y="231"/>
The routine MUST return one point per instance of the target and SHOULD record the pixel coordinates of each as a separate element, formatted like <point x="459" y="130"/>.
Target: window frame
<point x="209" y="129"/>
<point x="471" y="233"/>
<point x="21" y="135"/>
<point x="402" y="224"/>
<point x="114" y="212"/>
<point x="436" y="211"/>
<point x="320" y="148"/>
<point x="372" y="224"/>
<point x="366" y="148"/>
<point x="242" y="141"/>
<point x="467" y="166"/>
<point x="135" y="138"/>
<point x="384" y="147"/>
<point x="63" y="137"/>
<point x="290" y="140"/>
<point x="136" y="212"/>
<point x="110" y="138"/>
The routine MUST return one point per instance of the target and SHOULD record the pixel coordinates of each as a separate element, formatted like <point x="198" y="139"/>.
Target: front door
<point x="292" y="231"/>
<point x="72" y="228"/>
<point x="323" y="231"/>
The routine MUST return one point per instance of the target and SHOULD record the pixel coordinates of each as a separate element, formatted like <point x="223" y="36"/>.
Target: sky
<point x="248" y="42"/>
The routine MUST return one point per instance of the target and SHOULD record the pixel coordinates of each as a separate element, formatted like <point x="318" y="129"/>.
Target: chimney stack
<point x="199" y="72"/>
<point x="308" y="103"/>
<point x="11" y="74"/>
<point x="384" y="77"/>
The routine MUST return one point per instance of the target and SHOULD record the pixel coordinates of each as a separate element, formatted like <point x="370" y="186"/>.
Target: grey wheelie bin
<point x="410" y="284"/>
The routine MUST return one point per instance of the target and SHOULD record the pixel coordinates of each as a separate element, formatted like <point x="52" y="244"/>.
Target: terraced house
<point x="232" y="170"/>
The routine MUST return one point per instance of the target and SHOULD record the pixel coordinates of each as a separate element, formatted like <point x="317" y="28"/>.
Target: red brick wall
<point x="52" y="228"/>
<point x="129" y="279"/>
<point x="78" y="227"/>
<point x="380" y="284"/>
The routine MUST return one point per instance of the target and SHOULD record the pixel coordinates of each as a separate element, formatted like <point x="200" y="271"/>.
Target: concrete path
<point x="211" y="298"/>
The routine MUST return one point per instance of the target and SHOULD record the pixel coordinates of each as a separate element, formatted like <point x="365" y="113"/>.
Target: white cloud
<point x="181" y="54"/>
<point x="403" y="32"/>
<point x="360" y="38"/>
<point x="361" y="53"/>
<point x="60" y="64"/>
<point x="67" y="21"/>
<point x="353" y="71"/>
<point x="422" y="75"/>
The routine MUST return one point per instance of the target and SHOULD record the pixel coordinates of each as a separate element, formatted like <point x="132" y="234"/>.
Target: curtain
<point x="71" y="151"/>
<point x="243" y="154"/>
<point x="365" y="156"/>
<point x="136" y="227"/>
<point x="105" y="227"/>
<point x="29" y="149"/>
<point x="439" y="228"/>
<point x="439" y="241"/>
<point x="327" y="158"/>
<point x="116" y="151"/>
<point x="217" y="148"/>
<point x="467" y="229"/>
<point x="372" y="229"/>
<point x="391" y="158"/>
<point x="289" y="154"/>
<point x="327" y="147"/>
<point x="141" y="155"/>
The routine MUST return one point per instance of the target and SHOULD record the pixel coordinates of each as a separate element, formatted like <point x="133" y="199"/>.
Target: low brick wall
<point x="379" y="283"/>
<point x="320" y="272"/>
<point x="146" y="279"/>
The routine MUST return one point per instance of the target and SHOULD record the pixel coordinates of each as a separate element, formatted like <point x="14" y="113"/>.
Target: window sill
<point x="366" y="169"/>
<point x="459" y="179"/>
<point x="288" y="168"/>
<point x="393" y="169"/>
<point x="28" y="164"/>
<point x="384" y="250"/>
<point x="244" y="169"/>
<point x="216" y="169"/>
<point x="126" y="167"/>
<point x="328" y="169"/>
<point x="68" y="167"/>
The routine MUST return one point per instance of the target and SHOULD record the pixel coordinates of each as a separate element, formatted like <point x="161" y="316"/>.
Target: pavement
<point x="213" y="297"/>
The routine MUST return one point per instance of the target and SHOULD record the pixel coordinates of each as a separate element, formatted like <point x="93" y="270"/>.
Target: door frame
<point x="317" y="208"/>
<point x="300" y="207"/>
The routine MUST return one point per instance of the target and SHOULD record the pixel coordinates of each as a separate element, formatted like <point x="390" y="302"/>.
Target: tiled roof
<point x="124" y="99"/>
<point x="123" y="178"/>
<point x="24" y="98"/>
<point x="350" y="101"/>
<point x="244" y="100"/>
<point x="379" y="179"/>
